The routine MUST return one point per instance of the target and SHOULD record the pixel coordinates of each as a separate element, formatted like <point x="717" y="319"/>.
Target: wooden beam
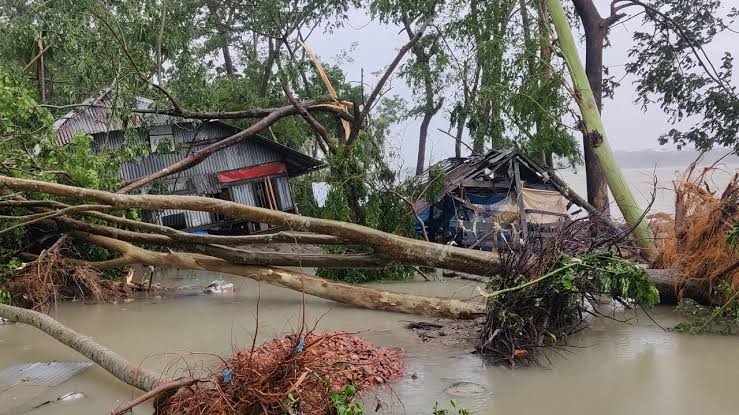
<point x="546" y="212"/>
<point x="479" y="184"/>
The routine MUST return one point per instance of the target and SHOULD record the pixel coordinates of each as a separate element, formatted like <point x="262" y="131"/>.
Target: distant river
<point x="641" y="182"/>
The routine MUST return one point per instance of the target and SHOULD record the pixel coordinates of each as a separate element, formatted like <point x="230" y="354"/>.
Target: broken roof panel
<point x="93" y="116"/>
<point x="21" y="385"/>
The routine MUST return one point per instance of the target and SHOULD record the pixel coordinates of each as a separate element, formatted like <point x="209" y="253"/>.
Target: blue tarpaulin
<point x="435" y="224"/>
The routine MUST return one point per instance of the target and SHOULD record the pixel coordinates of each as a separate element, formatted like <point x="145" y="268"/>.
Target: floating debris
<point x="67" y="397"/>
<point x="21" y="385"/>
<point x="465" y="389"/>
<point x="220" y="287"/>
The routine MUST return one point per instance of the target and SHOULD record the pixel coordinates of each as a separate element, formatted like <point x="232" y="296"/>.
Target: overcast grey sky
<point x="627" y="126"/>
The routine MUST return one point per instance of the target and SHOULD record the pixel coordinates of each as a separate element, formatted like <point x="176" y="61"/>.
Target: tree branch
<point x="109" y="360"/>
<point x="359" y="296"/>
<point x="359" y="120"/>
<point x="324" y="139"/>
<point x="400" y="248"/>
<point x="180" y="236"/>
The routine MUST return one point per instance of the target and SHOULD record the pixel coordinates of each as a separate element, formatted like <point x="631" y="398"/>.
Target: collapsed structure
<point x="252" y="172"/>
<point x="494" y="201"/>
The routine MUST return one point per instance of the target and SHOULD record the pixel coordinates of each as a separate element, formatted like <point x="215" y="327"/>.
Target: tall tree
<point x="506" y="93"/>
<point x="596" y="29"/>
<point x="593" y="124"/>
<point x="671" y="69"/>
<point x="425" y="69"/>
<point x="428" y="64"/>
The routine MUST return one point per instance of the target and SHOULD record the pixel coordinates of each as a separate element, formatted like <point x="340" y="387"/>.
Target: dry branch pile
<point x="696" y="244"/>
<point x="292" y="374"/>
<point x="49" y="278"/>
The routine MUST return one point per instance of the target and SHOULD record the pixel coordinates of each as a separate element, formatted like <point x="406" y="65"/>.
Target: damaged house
<point x="253" y="172"/>
<point x="494" y="201"/>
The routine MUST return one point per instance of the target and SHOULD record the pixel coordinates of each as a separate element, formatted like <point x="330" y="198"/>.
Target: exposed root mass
<point x="696" y="245"/>
<point x="43" y="282"/>
<point x="292" y="374"/>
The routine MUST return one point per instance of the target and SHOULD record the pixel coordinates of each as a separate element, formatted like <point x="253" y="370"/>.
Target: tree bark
<point x="228" y="62"/>
<point x="458" y="137"/>
<point x="109" y="360"/>
<point x="597" y="134"/>
<point x="401" y="249"/>
<point x="364" y="297"/>
<point x="423" y="136"/>
<point x="274" y="49"/>
<point x="40" y="71"/>
<point x="594" y="26"/>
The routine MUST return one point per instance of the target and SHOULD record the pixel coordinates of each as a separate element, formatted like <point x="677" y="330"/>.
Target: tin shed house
<point x="253" y="172"/>
<point x="493" y="201"/>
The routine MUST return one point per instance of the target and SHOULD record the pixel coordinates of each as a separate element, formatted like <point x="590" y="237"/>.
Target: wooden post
<point x="445" y="225"/>
<point x="593" y="125"/>
<point x="429" y="232"/>
<point x="519" y="200"/>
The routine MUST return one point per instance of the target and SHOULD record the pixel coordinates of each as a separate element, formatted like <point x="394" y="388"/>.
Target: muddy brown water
<point x="615" y="369"/>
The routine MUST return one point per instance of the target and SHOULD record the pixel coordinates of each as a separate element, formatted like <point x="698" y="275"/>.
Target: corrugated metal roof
<point x="458" y="169"/>
<point x="471" y="164"/>
<point x="20" y="385"/>
<point x="93" y="116"/>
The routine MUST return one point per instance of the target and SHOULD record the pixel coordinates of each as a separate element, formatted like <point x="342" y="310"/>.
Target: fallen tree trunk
<point x="401" y="249"/>
<point x="364" y="297"/>
<point x="109" y="360"/>
<point x="665" y="281"/>
<point x="235" y="255"/>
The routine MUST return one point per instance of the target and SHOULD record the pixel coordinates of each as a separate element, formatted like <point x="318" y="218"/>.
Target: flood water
<point x="617" y="368"/>
<point x="642" y="184"/>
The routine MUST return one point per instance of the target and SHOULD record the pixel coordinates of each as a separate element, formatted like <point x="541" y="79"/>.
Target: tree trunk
<point x="665" y="280"/>
<point x="458" y="136"/>
<point x="109" y="360"/>
<point x="423" y="136"/>
<point x="364" y="297"/>
<point x="40" y="71"/>
<point x="228" y="63"/>
<point x="596" y="132"/>
<point x="274" y="49"/>
<point x="545" y="55"/>
<point x="594" y="43"/>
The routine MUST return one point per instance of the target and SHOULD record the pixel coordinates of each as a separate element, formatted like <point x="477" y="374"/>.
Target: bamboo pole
<point x="596" y="132"/>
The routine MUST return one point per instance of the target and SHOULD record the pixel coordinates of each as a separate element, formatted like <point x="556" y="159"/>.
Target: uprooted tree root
<point x="40" y="284"/>
<point x="696" y="244"/>
<point x="292" y="374"/>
